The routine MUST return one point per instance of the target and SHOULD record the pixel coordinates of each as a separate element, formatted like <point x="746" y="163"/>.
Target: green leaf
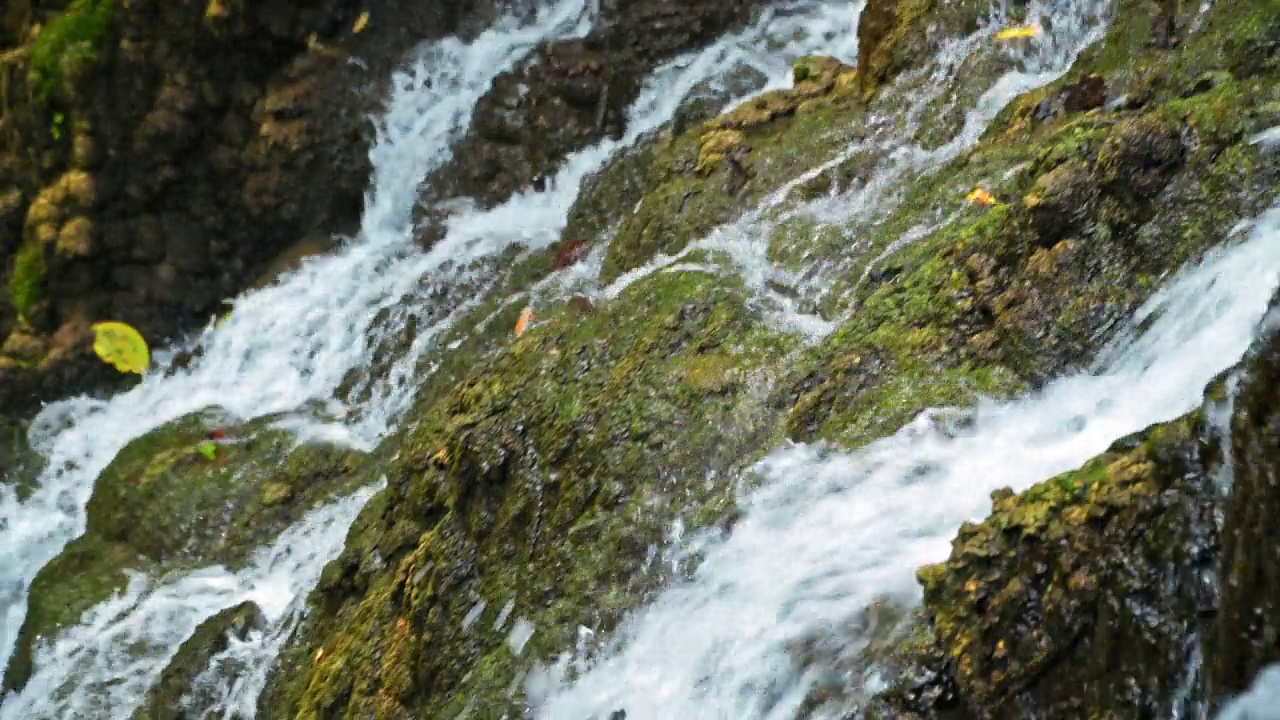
<point x="209" y="450"/>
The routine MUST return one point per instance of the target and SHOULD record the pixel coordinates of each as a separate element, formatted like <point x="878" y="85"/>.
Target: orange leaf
<point x="980" y="196"/>
<point x="526" y="317"/>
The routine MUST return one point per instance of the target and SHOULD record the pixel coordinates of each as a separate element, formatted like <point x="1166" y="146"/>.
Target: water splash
<point x="286" y="345"/>
<point x="104" y="666"/>
<point x="291" y="345"/>
<point x="744" y="243"/>
<point x="829" y="531"/>
<point x="1260" y="702"/>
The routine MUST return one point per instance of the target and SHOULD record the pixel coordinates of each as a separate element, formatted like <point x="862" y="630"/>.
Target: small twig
<point x="602" y="108"/>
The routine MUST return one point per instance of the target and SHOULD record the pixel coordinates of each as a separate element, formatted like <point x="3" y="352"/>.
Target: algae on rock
<point x="536" y="488"/>
<point x="543" y="484"/>
<point x="162" y="507"/>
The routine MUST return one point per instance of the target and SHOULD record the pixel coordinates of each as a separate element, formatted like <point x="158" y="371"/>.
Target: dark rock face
<point x="1246" y="637"/>
<point x="1081" y="597"/>
<point x="203" y="140"/>
<point x="568" y="95"/>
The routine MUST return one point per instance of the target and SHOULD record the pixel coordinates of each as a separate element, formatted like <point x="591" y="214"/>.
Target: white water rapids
<point x="825" y="533"/>
<point x="289" y="346"/>
<point x="828" y="531"/>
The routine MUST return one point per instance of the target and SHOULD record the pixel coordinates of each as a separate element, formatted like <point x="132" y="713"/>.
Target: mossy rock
<point x="1078" y="596"/>
<point x="20" y="464"/>
<point x="67" y="46"/>
<point x="543" y="481"/>
<point x="169" y="500"/>
<point x="167" y="505"/>
<point x="1249" y="617"/>
<point x="177" y="695"/>
<point x="1092" y="210"/>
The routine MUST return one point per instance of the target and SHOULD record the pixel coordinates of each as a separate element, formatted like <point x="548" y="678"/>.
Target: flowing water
<point x="289" y="347"/>
<point x="825" y="532"/>
<point x="828" y="532"/>
<point x="1070" y="26"/>
<point x="286" y="345"/>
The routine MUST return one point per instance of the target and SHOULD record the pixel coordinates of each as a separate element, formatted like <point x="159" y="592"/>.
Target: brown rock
<point x="1087" y="94"/>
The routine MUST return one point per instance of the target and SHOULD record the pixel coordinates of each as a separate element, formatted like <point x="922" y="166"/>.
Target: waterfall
<point x="828" y="531"/>
<point x="291" y="345"/>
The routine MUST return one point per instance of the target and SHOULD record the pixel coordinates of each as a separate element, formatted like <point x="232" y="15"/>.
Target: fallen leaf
<point x="980" y="196"/>
<point x="361" y="22"/>
<point x="1021" y="31"/>
<point x="121" y="346"/>
<point x="441" y="458"/>
<point x="208" y="450"/>
<point x="522" y="324"/>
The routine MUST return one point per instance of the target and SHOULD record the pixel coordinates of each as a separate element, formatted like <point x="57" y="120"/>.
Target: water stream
<point x="823" y="534"/>
<point x="287" y="348"/>
<point x="828" y="531"/>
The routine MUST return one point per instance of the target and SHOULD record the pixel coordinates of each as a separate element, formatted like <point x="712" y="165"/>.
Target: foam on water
<point x="1261" y="702"/>
<point x="829" y="531"/>
<point x="288" y="344"/>
<point x="103" y="667"/>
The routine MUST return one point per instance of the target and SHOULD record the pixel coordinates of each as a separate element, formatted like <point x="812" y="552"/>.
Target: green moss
<point x="162" y="507"/>
<point x="168" y="697"/>
<point x="543" y="480"/>
<point x="1039" y="585"/>
<point x="26" y="284"/>
<point x="67" y="45"/>
<point x="97" y="568"/>
<point x="540" y="470"/>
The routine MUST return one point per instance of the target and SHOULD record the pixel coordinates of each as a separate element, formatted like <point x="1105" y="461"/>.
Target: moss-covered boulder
<point x="178" y="695"/>
<point x="202" y="490"/>
<point x="1080" y="596"/>
<point x="533" y="498"/>
<point x="1136" y="586"/>
<point x="1091" y="209"/>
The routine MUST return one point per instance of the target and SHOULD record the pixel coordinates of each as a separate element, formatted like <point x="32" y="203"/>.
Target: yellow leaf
<point x="441" y="458"/>
<point x="1024" y="31"/>
<point x="121" y="346"/>
<point x="361" y="22"/>
<point x="980" y="196"/>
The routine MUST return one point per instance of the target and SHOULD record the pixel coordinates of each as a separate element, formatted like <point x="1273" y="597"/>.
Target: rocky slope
<point x="537" y="475"/>
<point x="523" y="485"/>
<point x="159" y="157"/>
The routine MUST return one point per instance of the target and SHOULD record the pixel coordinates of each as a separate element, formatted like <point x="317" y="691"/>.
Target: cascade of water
<point x="534" y="219"/>
<point x="287" y="344"/>
<point x="103" y="667"/>
<point x="1070" y="26"/>
<point x="293" y="343"/>
<point x="828" y="532"/>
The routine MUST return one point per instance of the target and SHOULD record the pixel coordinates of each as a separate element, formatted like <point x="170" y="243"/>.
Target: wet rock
<point x="513" y="475"/>
<point x="570" y="94"/>
<point x="178" y="695"/>
<point x="162" y="505"/>
<point x="1045" y="609"/>
<point x="1243" y="641"/>
<point x="1089" y="93"/>
<point x="208" y="137"/>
